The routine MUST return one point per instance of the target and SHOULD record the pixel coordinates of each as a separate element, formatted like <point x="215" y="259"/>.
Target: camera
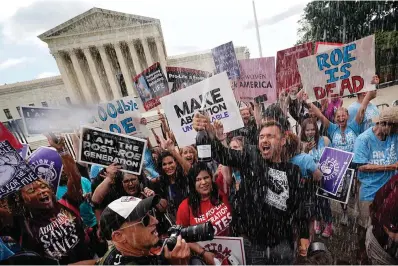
<point x="195" y="233"/>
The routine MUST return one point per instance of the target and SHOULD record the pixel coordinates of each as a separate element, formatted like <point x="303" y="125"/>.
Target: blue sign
<point x="333" y="165"/>
<point x="225" y="60"/>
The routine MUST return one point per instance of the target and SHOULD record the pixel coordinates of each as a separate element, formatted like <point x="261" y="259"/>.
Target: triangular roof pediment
<point x="96" y="19"/>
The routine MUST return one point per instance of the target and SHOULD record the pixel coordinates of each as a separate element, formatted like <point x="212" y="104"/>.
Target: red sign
<point x="287" y="74"/>
<point x="7" y="135"/>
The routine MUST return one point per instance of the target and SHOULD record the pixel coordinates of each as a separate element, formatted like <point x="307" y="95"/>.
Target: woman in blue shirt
<point x="313" y="144"/>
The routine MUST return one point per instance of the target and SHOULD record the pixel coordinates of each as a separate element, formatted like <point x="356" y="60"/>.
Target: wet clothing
<point x="317" y="151"/>
<point x="344" y="140"/>
<point x="370" y="112"/>
<point x="369" y="149"/>
<point x="114" y="257"/>
<point x="58" y="233"/>
<point x="249" y="132"/>
<point x="220" y="216"/>
<point x="269" y="196"/>
<point x="306" y="164"/>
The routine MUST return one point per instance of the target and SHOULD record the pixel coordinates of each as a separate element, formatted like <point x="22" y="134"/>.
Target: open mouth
<point x="45" y="199"/>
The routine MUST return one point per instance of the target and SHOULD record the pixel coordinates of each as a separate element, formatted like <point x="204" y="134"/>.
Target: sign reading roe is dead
<point x="341" y="71"/>
<point x="102" y="147"/>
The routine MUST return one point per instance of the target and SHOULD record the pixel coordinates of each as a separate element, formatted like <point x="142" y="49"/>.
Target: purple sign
<point x="47" y="164"/>
<point x="24" y="151"/>
<point x="225" y="60"/>
<point x="333" y="165"/>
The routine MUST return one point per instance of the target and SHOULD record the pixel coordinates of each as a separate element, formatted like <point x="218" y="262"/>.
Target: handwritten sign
<point x="342" y="71"/>
<point x="225" y="60"/>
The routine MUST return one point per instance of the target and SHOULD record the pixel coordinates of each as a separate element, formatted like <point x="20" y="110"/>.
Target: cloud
<point x="294" y="10"/>
<point x="46" y="75"/>
<point x="38" y="17"/>
<point x="12" y="62"/>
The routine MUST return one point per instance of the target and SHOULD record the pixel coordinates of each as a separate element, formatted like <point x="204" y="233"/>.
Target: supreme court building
<point x="98" y="53"/>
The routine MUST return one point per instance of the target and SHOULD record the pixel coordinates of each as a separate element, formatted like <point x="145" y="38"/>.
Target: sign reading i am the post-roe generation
<point x="102" y="147"/>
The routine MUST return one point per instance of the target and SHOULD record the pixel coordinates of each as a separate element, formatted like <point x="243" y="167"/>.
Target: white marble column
<point x="161" y="54"/>
<point x="123" y="67"/>
<point x="147" y="52"/>
<point x="80" y="76"/>
<point x="72" y="91"/>
<point x="95" y="74"/>
<point x="110" y="73"/>
<point x="134" y="56"/>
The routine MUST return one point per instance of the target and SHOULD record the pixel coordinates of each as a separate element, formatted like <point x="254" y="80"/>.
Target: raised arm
<point x="361" y="111"/>
<point x="168" y="145"/>
<point x="103" y="189"/>
<point x="325" y="122"/>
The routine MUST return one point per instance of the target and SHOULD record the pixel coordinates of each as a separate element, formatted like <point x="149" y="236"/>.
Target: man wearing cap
<point x="131" y="225"/>
<point x="382" y="235"/>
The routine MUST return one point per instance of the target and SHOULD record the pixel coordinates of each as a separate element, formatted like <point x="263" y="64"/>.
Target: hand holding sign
<point x="58" y="144"/>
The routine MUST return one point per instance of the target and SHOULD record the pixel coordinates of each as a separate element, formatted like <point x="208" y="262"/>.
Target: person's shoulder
<point x="368" y="133"/>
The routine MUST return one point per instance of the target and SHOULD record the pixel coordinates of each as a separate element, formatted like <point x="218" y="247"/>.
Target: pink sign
<point x="257" y="77"/>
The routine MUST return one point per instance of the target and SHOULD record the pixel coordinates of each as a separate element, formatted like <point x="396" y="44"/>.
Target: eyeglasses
<point x="130" y="181"/>
<point x="145" y="221"/>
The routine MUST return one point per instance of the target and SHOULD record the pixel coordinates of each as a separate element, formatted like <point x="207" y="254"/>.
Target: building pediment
<point x="96" y="19"/>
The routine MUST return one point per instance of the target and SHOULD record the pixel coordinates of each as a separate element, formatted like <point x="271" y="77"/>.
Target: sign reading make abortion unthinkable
<point x="14" y="171"/>
<point x="47" y="165"/>
<point x="120" y="116"/>
<point x="343" y="192"/>
<point x="225" y="60"/>
<point x="150" y="85"/>
<point x="342" y="71"/>
<point x="182" y="77"/>
<point x="257" y="77"/>
<point x="333" y="165"/>
<point x="215" y="94"/>
<point x="102" y="147"/>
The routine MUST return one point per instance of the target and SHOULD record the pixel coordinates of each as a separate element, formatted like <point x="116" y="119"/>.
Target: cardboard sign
<point x="47" y="164"/>
<point x="342" y="71"/>
<point x="120" y="116"/>
<point x="333" y="165"/>
<point x="287" y="74"/>
<point x="321" y="47"/>
<point x="14" y="171"/>
<point x="219" y="103"/>
<point x="5" y="134"/>
<point x="257" y="77"/>
<point x="181" y="77"/>
<point x="343" y="192"/>
<point x="24" y="151"/>
<point x="225" y="60"/>
<point x="226" y="249"/>
<point x="150" y="85"/>
<point x="102" y="147"/>
<point x="41" y="120"/>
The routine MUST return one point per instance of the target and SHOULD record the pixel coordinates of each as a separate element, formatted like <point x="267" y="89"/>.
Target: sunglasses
<point x="145" y="221"/>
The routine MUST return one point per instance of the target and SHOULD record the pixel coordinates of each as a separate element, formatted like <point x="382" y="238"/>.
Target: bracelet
<point x="202" y="253"/>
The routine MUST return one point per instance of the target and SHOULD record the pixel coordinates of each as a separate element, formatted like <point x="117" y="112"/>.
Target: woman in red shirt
<point x="205" y="203"/>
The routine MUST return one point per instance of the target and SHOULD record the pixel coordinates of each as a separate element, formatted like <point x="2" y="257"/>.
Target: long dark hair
<point x="306" y="122"/>
<point x="164" y="178"/>
<point x="118" y="185"/>
<point x="194" y="197"/>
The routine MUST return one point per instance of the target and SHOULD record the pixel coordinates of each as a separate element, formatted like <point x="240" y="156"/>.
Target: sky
<point x="188" y="26"/>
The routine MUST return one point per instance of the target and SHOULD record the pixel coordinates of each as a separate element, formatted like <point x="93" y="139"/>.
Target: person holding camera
<point x="205" y="203"/>
<point x="130" y="224"/>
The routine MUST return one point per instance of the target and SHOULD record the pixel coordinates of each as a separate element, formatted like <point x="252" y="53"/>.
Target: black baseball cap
<point x="125" y="209"/>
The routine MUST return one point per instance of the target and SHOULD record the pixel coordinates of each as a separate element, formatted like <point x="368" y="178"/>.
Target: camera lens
<point x="200" y="232"/>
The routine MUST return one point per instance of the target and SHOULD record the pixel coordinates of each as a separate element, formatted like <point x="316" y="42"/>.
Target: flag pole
<point x="257" y="31"/>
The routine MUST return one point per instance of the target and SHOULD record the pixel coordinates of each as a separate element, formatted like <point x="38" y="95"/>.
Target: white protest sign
<point x="220" y="104"/>
<point x="120" y="116"/>
<point x="226" y="248"/>
<point x="342" y="71"/>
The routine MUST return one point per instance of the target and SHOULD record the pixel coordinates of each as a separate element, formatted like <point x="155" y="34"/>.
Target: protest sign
<point x="41" y="120"/>
<point x="5" y="134"/>
<point x="287" y="74"/>
<point x="182" y="77"/>
<point x="47" y="164"/>
<point x="102" y="147"/>
<point x="219" y="102"/>
<point x="321" y="47"/>
<point x="333" y="165"/>
<point x="257" y="77"/>
<point x="226" y="249"/>
<point x="14" y="171"/>
<point x="150" y="85"/>
<point x="343" y="192"/>
<point x="342" y="71"/>
<point x="120" y="116"/>
<point x="24" y="151"/>
<point x="225" y="60"/>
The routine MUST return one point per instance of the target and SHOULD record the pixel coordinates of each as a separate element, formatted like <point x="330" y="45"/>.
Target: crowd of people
<point x="260" y="185"/>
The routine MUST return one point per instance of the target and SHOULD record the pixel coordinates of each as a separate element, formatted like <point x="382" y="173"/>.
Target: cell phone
<point x="261" y="98"/>
<point x="53" y="137"/>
